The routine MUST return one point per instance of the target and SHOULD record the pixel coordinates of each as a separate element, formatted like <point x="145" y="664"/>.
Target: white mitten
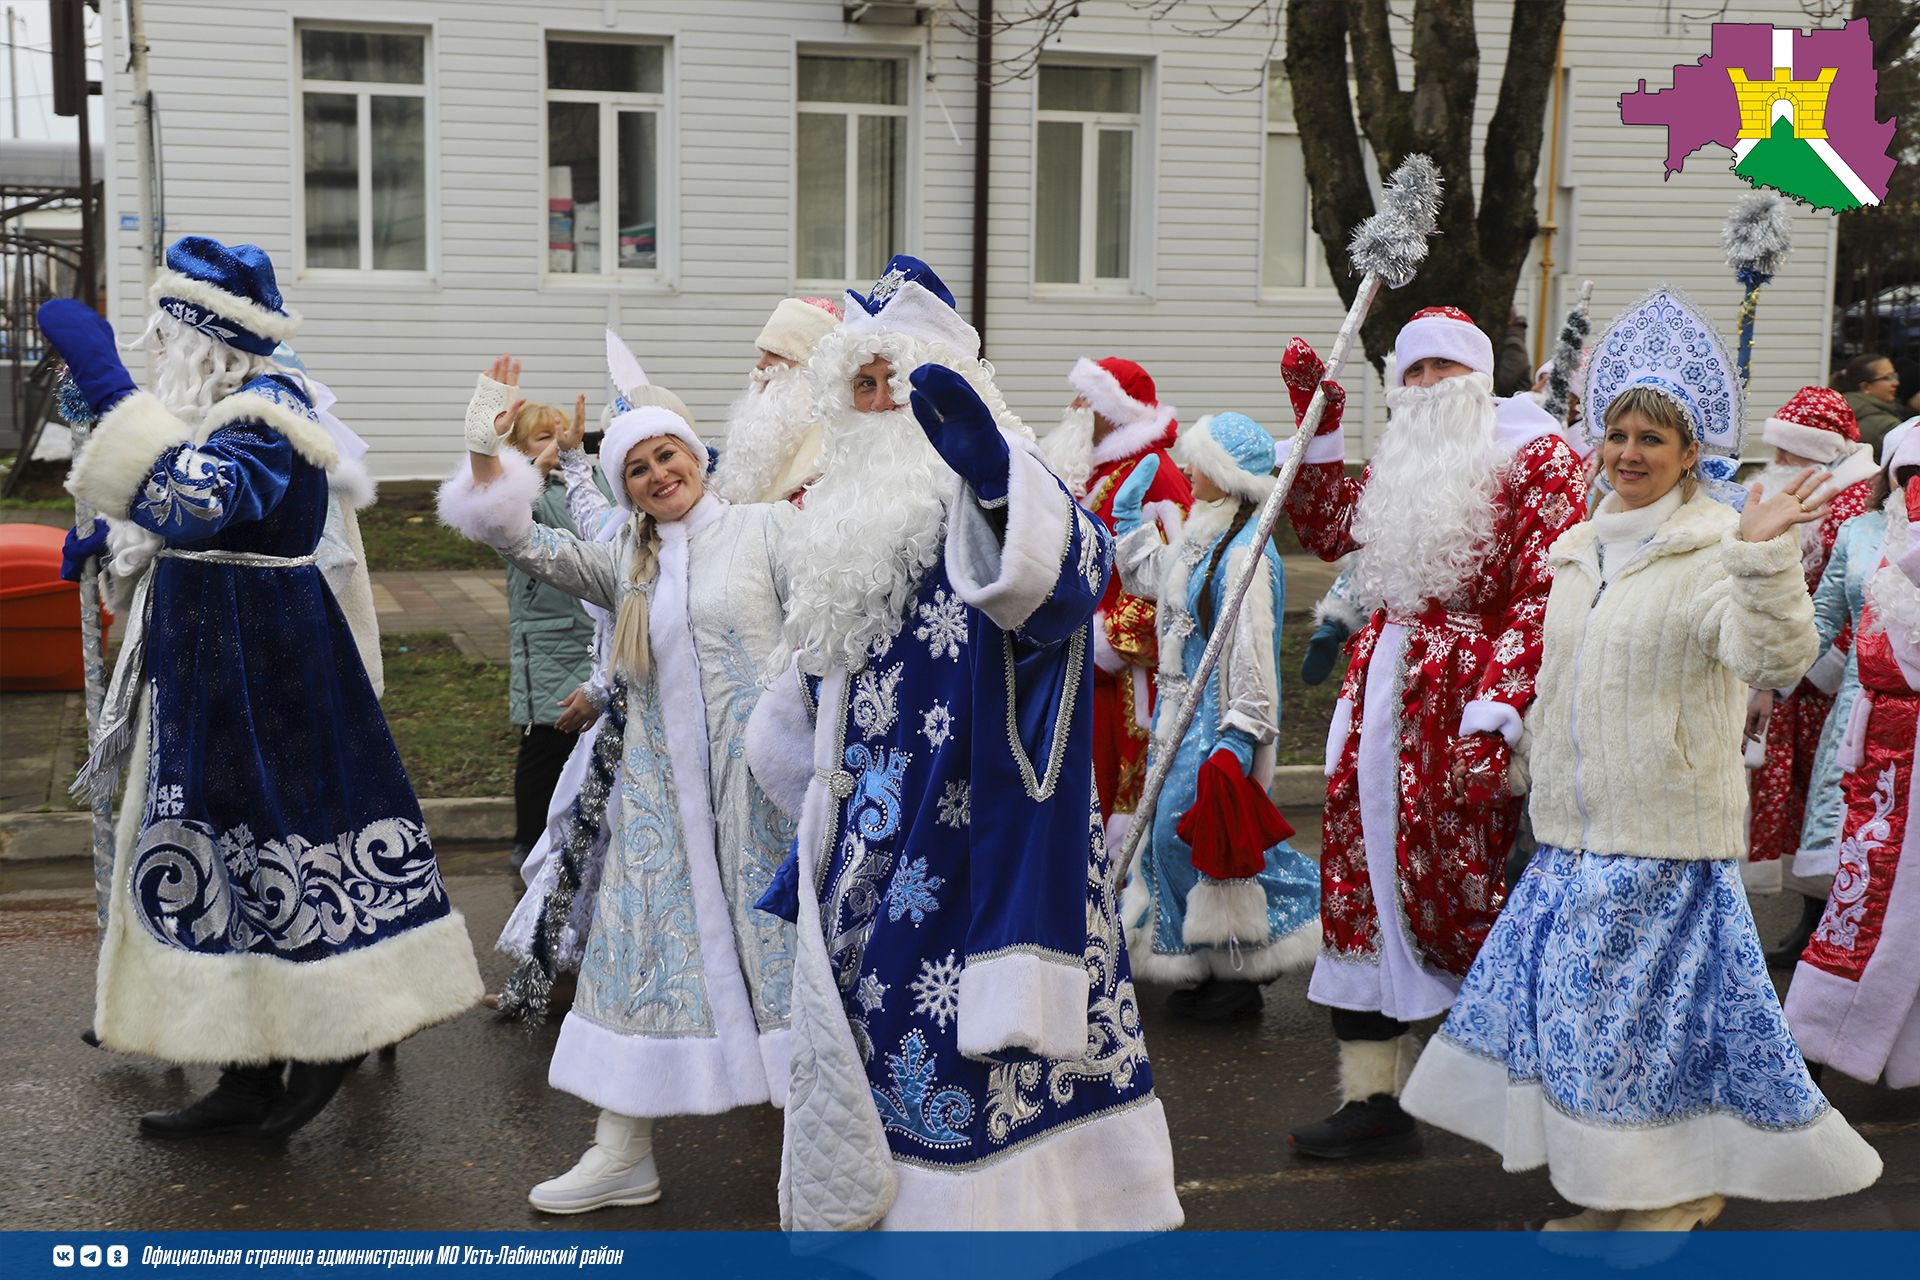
<point x="490" y="398"/>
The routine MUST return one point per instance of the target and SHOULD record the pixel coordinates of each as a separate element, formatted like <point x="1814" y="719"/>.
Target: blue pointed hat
<point x="910" y="299"/>
<point x="229" y="294"/>
<point x="1234" y="451"/>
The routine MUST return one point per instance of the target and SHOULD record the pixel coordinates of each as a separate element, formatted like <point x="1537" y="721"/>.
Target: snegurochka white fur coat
<point x="1633" y="740"/>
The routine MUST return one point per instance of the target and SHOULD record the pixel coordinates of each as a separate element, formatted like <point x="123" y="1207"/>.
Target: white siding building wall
<point x="401" y="349"/>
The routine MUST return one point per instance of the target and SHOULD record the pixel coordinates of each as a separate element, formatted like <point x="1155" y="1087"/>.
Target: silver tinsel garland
<point x="1393" y="242"/>
<point x="1566" y="355"/>
<point x="1757" y="236"/>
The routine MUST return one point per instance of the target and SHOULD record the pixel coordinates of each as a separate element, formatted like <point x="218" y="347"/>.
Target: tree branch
<point x="1385" y="109"/>
<point x="1508" y="221"/>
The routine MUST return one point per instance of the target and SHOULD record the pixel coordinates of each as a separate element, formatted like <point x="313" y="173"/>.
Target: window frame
<point x="1316" y="283"/>
<point x="1137" y="283"/>
<point x="363" y="91"/>
<point x="662" y="275"/>
<point x="910" y="205"/>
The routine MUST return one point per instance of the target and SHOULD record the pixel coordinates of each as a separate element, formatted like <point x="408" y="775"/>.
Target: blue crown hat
<point x="1664" y="343"/>
<point x="1235" y="452"/>
<point x="910" y="299"/>
<point x="229" y="294"/>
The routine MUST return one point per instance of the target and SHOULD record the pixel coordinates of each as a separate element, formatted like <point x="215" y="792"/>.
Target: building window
<point x="1084" y="165"/>
<point x="363" y="102"/>
<point x="605" y="100"/>
<point x="850" y="168"/>
<point x="1285" y="255"/>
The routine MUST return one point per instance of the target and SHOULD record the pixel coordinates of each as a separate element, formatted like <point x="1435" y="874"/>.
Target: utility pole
<point x="151" y="215"/>
<point x="71" y="91"/>
<point x="13" y="73"/>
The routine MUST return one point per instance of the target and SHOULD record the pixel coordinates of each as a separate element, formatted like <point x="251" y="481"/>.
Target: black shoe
<point x="89" y="1039"/>
<point x="310" y="1087"/>
<point x="1215" y="999"/>
<point x="1376" y="1127"/>
<point x="1787" y="954"/>
<point x="241" y="1100"/>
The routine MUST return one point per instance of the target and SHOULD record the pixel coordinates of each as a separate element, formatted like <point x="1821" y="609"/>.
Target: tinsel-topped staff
<point x="1757" y="237"/>
<point x="1566" y="355"/>
<point x="93" y="650"/>
<point x="1387" y="249"/>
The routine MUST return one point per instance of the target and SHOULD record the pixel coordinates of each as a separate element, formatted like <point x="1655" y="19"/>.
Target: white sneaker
<point x="1678" y="1217"/>
<point x="1585" y="1243"/>
<point x="617" y="1169"/>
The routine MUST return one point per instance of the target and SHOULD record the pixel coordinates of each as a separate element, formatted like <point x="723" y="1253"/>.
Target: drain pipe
<point x="982" y="155"/>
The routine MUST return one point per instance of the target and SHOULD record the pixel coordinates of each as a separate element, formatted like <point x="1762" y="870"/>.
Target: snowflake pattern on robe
<point x="955" y="805"/>
<point x="943" y="624"/>
<point x="936" y="992"/>
<point x="912" y="891"/>
<point x="937" y="727"/>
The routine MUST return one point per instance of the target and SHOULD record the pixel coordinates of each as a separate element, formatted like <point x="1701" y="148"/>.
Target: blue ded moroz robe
<point x="967" y="1048"/>
<point x="275" y="894"/>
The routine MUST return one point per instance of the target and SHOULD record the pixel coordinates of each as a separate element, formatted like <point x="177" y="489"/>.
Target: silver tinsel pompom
<point x="1758" y="233"/>
<point x="1393" y="242"/>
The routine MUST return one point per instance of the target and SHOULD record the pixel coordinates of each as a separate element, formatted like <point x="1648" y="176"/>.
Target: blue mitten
<point x="1127" y="502"/>
<point x="85" y="341"/>
<point x="78" y="549"/>
<point x="1322" y="650"/>
<point x="1239" y="743"/>
<point x="961" y="429"/>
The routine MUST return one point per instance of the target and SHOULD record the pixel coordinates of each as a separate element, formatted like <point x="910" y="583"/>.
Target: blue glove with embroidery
<point x="961" y="429"/>
<point x="84" y="340"/>
<point x="1128" y="501"/>
<point x="77" y="550"/>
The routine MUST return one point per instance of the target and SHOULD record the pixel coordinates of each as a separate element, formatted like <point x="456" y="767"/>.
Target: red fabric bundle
<point x="1232" y="823"/>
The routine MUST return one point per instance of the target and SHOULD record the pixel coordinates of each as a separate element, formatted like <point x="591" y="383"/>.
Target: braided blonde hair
<point x="632" y="655"/>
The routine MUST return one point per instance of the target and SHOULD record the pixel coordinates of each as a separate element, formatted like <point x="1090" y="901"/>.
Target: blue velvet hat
<point x="229" y="294"/>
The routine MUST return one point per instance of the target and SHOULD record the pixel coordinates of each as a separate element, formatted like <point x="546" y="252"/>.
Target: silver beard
<point x="1427" y="512"/>
<point x="764" y="429"/>
<point x="1069" y="448"/>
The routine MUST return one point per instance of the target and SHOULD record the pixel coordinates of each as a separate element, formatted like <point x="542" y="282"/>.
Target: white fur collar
<point x="1518" y="422"/>
<point x="1136" y="438"/>
<point x="308" y="437"/>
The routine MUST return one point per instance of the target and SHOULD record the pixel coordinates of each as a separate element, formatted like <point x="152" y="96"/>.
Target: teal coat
<point x="552" y="635"/>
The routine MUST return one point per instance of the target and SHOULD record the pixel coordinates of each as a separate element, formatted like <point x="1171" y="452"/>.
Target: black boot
<point x="1787" y="954"/>
<point x="1215" y="999"/>
<point x="240" y="1101"/>
<point x="310" y="1087"/>
<point x="1374" y="1127"/>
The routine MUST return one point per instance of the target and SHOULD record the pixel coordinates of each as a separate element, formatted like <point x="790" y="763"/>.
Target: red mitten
<point x="1485" y="757"/>
<point x="1913" y="498"/>
<point x="1232" y="823"/>
<point x="1302" y="369"/>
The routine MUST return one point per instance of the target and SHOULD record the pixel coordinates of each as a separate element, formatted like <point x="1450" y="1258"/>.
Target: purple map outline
<point x="1702" y="108"/>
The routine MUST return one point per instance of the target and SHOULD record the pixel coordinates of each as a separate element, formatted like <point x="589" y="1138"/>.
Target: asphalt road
<point x="454" y="1129"/>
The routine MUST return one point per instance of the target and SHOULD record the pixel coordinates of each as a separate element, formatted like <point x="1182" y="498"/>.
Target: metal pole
<point x="1166" y="743"/>
<point x="89" y="292"/>
<point x="13" y="73"/>
<point x="982" y="157"/>
<point x="93" y="660"/>
<point x="147" y="163"/>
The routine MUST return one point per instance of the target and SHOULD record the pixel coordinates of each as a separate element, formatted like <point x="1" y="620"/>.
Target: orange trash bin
<point x="39" y="613"/>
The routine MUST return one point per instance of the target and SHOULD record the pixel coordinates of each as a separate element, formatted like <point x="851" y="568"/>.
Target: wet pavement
<point x="453" y="1130"/>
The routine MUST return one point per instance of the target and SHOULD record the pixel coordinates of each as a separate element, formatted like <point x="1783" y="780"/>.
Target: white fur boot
<point x="1368" y="1067"/>
<point x="617" y="1169"/>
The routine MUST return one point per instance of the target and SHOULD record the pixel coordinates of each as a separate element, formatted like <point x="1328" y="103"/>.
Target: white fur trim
<point x="1637" y="1166"/>
<point x="1816" y="444"/>
<point x="1111" y="1174"/>
<point x="500" y="513"/>
<point x="1761" y="879"/>
<point x="1007" y="583"/>
<point x="1518" y="422"/>
<point x="635" y="427"/>
<point x="244" y="312"/>
<point x="1815" y="863"/>
<point x="1446" y="337"/>
<point x="917" y="312"/>
<point x="1828" y="671"/>
<point x="1858" y="465"/>
<point x="355" y="596"/>
<point x="1481" y="716"/>
<point x="1288" y="953"/>
<point x="1167" y="513"/>
<point x="1137" y="425"/>
<point x="1204" y="452"/>
<point x="639" y="1075"/>
<point x="780" y="743"/>
<point x="356" y="487"/>
<point x="308" y="437"/>
<point x="1330" y="447"/>
<point x="1368" y="1067"/>
<point x="1226" y="911"/>
<point x="793" y="329"/>
<point x="1337" y="730"/>
<point x="1022" y="1001"/>
<point x="1334" y="607"/>
<point x="121" y="451"/>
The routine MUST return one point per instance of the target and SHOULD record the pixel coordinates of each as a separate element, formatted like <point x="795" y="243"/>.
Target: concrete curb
<point x="40" y="837"/>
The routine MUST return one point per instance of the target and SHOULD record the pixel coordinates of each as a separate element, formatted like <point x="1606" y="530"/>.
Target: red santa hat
<point x="1447" y="332"/>
<point x="1122" y="392"/>
<point x="1816" y="424"/>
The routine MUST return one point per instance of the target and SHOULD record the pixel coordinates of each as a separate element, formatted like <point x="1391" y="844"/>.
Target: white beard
<point x="188" y="371"/>
<point x="1069" y="448"/>
<point x="1895" y="599"/>
<point x="1427" y="512"/>
<point x="764" y="429"/>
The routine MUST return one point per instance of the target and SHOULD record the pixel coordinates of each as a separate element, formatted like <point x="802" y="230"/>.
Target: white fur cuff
<point x="780" y="743"/>
<point x="1491" y="717"/>
<point x="499" y="514"/>
<point x="1023" y="1001"/>
<point x="1007" y="582"/>
<point x="490" y="398"/>
<point x="124" y="446"/>
<point x="1223" y="911"/>
<point x="1331" y="447"/>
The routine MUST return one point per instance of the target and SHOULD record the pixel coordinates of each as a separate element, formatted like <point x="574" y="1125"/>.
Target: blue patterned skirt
<point x="1619" y="1027"/>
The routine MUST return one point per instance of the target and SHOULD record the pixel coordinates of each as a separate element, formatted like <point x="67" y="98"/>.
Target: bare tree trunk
<point x="1330" y="148"/>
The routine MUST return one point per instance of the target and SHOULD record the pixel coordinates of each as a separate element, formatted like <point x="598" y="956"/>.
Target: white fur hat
<point x="795" y="325"/>
<point x="1447" y="332"/>
<point x="637" y="426"/>
<point x="910" y="299"/>
<point x="1234" y="451"/>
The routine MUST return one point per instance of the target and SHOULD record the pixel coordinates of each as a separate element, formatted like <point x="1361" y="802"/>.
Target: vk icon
<point x="63" y="1255"/>
<point x="89" y="1255"/>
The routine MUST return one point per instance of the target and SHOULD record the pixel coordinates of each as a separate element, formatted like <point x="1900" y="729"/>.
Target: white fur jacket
<point x="1633" y="741"/>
